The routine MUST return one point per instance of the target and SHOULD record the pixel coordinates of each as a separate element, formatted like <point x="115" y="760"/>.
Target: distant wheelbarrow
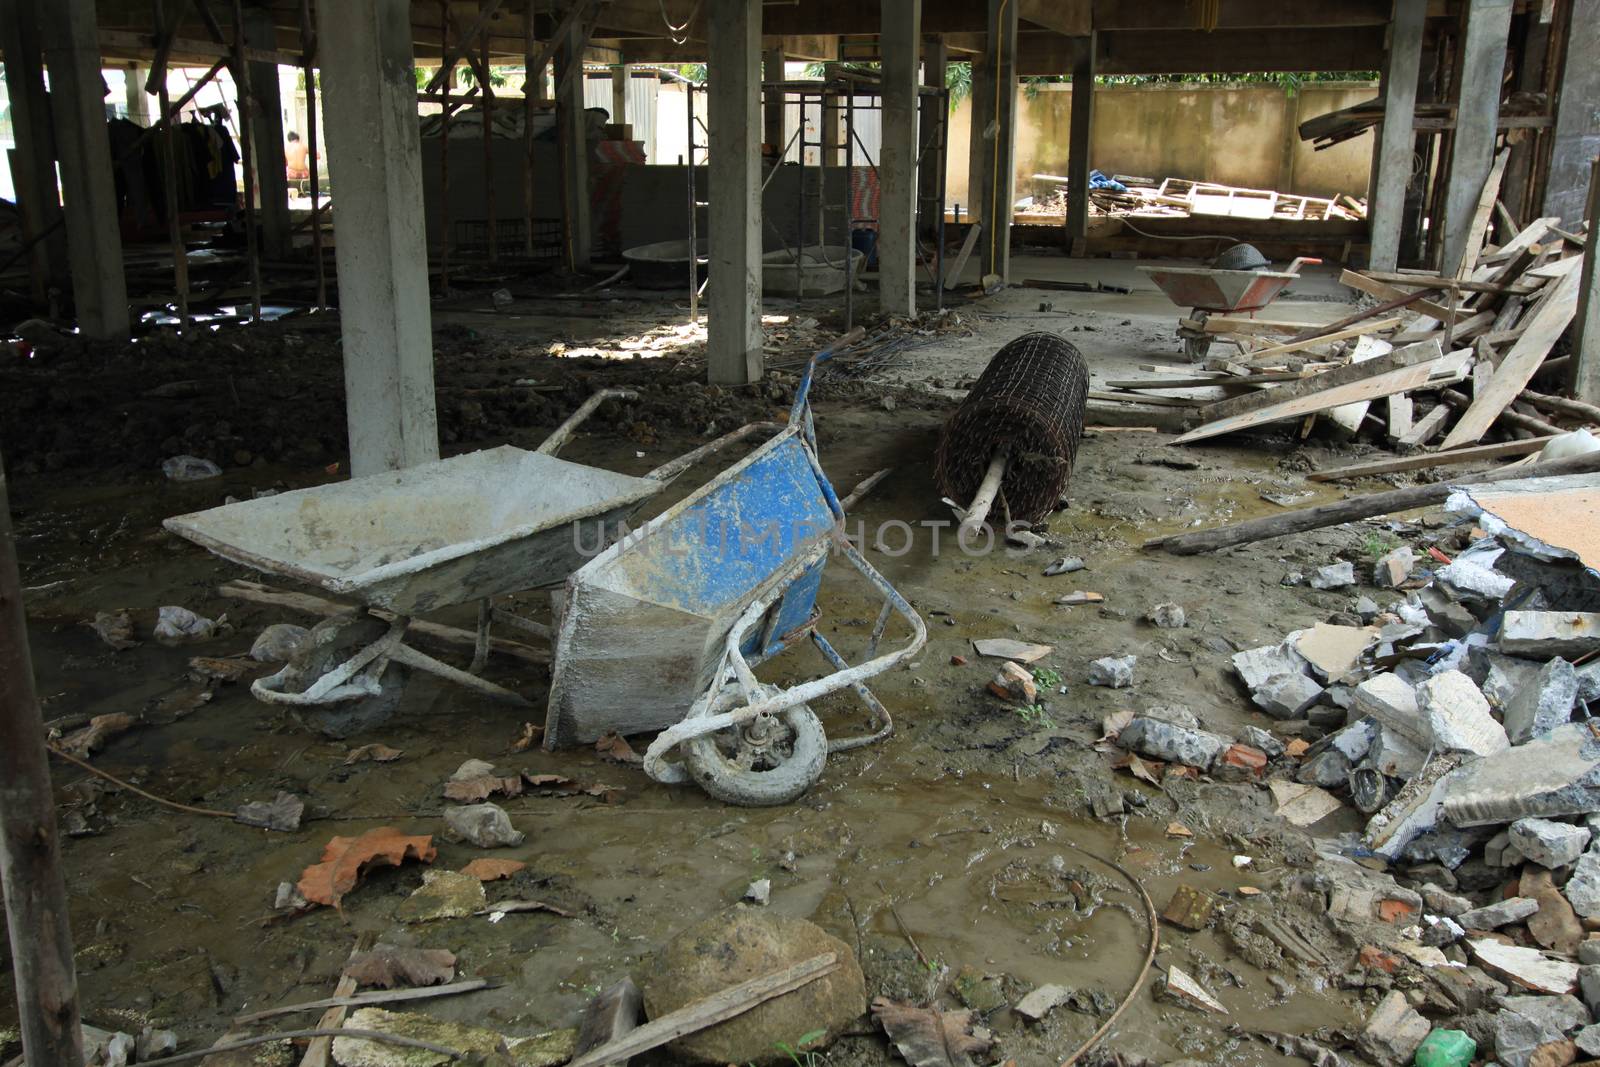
<point x="418" y="540"/>
<point x="665" y="628"/>
<point x="1208" y="289"/>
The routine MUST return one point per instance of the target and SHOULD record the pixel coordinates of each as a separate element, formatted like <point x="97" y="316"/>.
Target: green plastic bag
<point x="1446" y="1048"/>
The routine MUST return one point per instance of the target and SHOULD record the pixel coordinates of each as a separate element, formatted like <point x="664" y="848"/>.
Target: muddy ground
<point x="973" y="820"/>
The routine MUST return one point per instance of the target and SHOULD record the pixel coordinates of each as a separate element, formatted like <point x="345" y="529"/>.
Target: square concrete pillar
<point x="1397" y="138"/>
<point x="999" y="125"/>
<point x="1577" y="121"/>
<point x="1079" y="162"/>
<point x="733" y="291"/>
<point x="772" y="131"/>
<point x="1483" y="60"/>
<point x="369" y="105"/>
<point x="89" y="197"/>
<point x="900" y="41"/>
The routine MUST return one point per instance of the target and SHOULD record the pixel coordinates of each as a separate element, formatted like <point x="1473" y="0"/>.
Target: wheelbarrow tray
<point x="642" y="626"/>
<point x="1220" y="290"/>
<point x="412" y="541"/>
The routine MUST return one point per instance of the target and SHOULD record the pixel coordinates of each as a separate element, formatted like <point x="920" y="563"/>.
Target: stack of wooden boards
<point x="1450" y="358"/>
<point x="1182" y="198"/>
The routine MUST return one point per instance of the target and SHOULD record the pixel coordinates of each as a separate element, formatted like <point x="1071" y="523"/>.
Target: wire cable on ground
<point x="265" y="1039"/>
<point x="114" y="780"/>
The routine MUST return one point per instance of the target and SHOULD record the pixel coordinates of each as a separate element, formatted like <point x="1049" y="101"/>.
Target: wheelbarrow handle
<point x="1294" y="267"/>
<point x="564" y="432"/>
<point x="802" y="395"/>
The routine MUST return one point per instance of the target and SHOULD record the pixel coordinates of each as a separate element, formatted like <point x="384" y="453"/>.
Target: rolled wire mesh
<point x="1029" y="401"/>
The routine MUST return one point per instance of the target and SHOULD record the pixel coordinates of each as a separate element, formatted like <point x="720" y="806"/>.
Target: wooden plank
<point x="1384" y="291"/>
<point x="1399" y="416"/>
<point x="1525" y="238"/>
<point x="1395" y="381"/>
<point x="1559" y="268"/>
<point x="1141" y="398"/>
<point x="1237" y="324"/>
<point x="953" y="279"/>
<point x="1426" y="352"/>
<point x="1349" y="417"/>
<point x="1546" y="322"/>
<point x="1434" y="281"/>
<point x="1426" y="428"/>
<point x="1480" y="216"/>
<point x="1427" y="460"/>
<point x="1375" y="326"/>
<point x="1265" y="378"/>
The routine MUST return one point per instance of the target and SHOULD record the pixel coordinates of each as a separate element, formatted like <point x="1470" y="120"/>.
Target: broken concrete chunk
<point x="1589" y="986"/>
<point x="1416" y="810"/>
<point x="1588" y="1041"/>
<point x="1395" y="755"/>
<point x="1161" y="740"/>
<point x="1542" y="702"/>
<point x="1547" y="843"/>
<point x="1393" y="702"/>
<point x="282" y="813"/>
<point x="1189" y="908"/>
<point x="1329" y="769"/>
<point x="1255" y="665"/>
<point x="1167" y="616"/>
<point x="1176" y="714"/>
<point x="1394" y="1030"/>
<point x="1333" y="651"/>
<point x="1502" y="675"/>
<point x="1472" y="575"/>
<point x="443" y="895"/>
<point x="484" y="825"/>
<point x="1443" y="902"/>
<point x="1394" y="567"/>
<point x="1042" y="1001"/>
<point x="1517" y="1038"/>
<point x="1115" y="672"/>
<point x="1557" y="774"/>
<point x="1583" y="888"/>
<point x="1334" y="576"/>
<point x="1014" y="682"/>
<point x="1542" y="634"/>
<point x="1498" y="851"/>
<point x="1302" y="804"/>
<point x="1265" y="740"/>
<point x="1526" y="968"/>
<point x="1459" y="717"/>
<point x="759" y="891"/>
<point x="538" y="1051"/>
<point x="1006" y="648"/>
<point x="1500" y="913"/>
<point x="1286" y="696"/>
<point x="279" y="642"/>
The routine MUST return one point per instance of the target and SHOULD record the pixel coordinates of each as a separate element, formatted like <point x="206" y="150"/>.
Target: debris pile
<point x="1126" y="194"/>
<point x="1457" y="720"/>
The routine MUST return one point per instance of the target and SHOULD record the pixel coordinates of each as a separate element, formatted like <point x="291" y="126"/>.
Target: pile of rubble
<point x="1457" y="718"/>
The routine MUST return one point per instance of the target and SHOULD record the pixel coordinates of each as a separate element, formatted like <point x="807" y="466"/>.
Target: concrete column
<point x="999" y="126"/>
<point x="32" y="161"/>
<point x="982" y="113"/>
<point x="572" y="129"/>
<point x="1483" y="60"/>
<point x="78" y="108"/>
<point x="266" y="128"/>
<point x="369" y="106"/>
<point x="1396" y="137"/>
<point x="935" y="60"/>
<point x="1078" y="159"/>
<point x="733" y="292"/>
<point x="899" y="41"/>
<point x="772" y="131"/>
<point x="1577" y="119"/>
<point x="133" y="76"/>
<point x="619" y="94"/>
<point x="1584" y="376"/>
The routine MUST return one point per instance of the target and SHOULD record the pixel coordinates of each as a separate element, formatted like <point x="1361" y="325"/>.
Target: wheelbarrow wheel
<point x="333" y="641"/>
<point x="767" y="761"/>
<point x="1196" y="347"/>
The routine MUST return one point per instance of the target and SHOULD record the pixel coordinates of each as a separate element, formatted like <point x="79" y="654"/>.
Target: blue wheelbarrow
<point x="664" y="629"/>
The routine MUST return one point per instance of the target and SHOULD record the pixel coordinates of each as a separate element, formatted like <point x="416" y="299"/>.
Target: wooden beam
<point x="1241" y="15"/>
<point x="1548" y="319"/>
<point x="1230" y="51"/>
<point x="1427" y="460"/>
<point x="1373" y="326"/>
<point x="1384" y="291"/>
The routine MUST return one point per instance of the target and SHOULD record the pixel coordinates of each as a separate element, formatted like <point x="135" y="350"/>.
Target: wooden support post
<point x="308" y="67"/>
<point x="900" y="41"/>
<point x="733" y="289"/>
<point x="169" y="167"/>
<point x="532" y="89"/>
<point x="772" y="103"/>
<point x="32" y="163"/>
<point x="486" y="94"/>
<point x="831" y="107"/>
<point x="999" y="125"/>
<point x="30" y="852"/>
<point x="619" y="94"/>
<point x="1584" y="370"/>
<point x="445" y="77"/>
<point x="246" y="107"/>
<point x="1396" y="137"/>
<point x="573" y="143"/>
<point x="1078" y="161"/>
<point x="1577" y="94"/>
<point x="1482" y="58"/>
<point x="266" y="144"/>
<point x="934" y="126"/>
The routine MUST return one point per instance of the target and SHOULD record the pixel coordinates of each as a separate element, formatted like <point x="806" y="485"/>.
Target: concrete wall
<point x="1241" y="135"/>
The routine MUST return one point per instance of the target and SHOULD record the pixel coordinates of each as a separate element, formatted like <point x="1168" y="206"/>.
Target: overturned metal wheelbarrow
<point x="410" y="542"/>
<point x="665" y="628"/>
<point x="1212" y="289"/>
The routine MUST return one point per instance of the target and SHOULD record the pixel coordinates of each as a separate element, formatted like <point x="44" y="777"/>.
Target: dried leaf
<point x="490" y="870"/>
<point x="928" y="1038"/>
<point x="1114" y="724"/>
<point x="282" y="813"/>
<point x="473" y="790"/>
<point x="1296" y="748"/>
<point x="377" y="753"/>
<point x="1177" y="829"/>
<point x="101" y="729"/>
<point x="611" y="794"/>
<point x="391" y="965"/>
<point x="1179" y="770"/>
<point x="180" y="702"/>
<point x="549" y="784"/>
<point x="1142" y="771"/>
<point x="345" y="858"/>
<point x="115" y="629"/>
<point x="615" y="748"/>
<point x="531" y="737"/>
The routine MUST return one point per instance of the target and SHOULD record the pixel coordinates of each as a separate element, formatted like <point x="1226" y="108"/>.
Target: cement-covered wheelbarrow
<point x="1209" y="289"/>
<point x="664" y="629"/>
<point x="414" y="541"/>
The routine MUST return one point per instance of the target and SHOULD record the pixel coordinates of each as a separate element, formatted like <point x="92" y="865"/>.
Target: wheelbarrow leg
<point x="881" y="721"/>
<point x="480" y="649"/>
